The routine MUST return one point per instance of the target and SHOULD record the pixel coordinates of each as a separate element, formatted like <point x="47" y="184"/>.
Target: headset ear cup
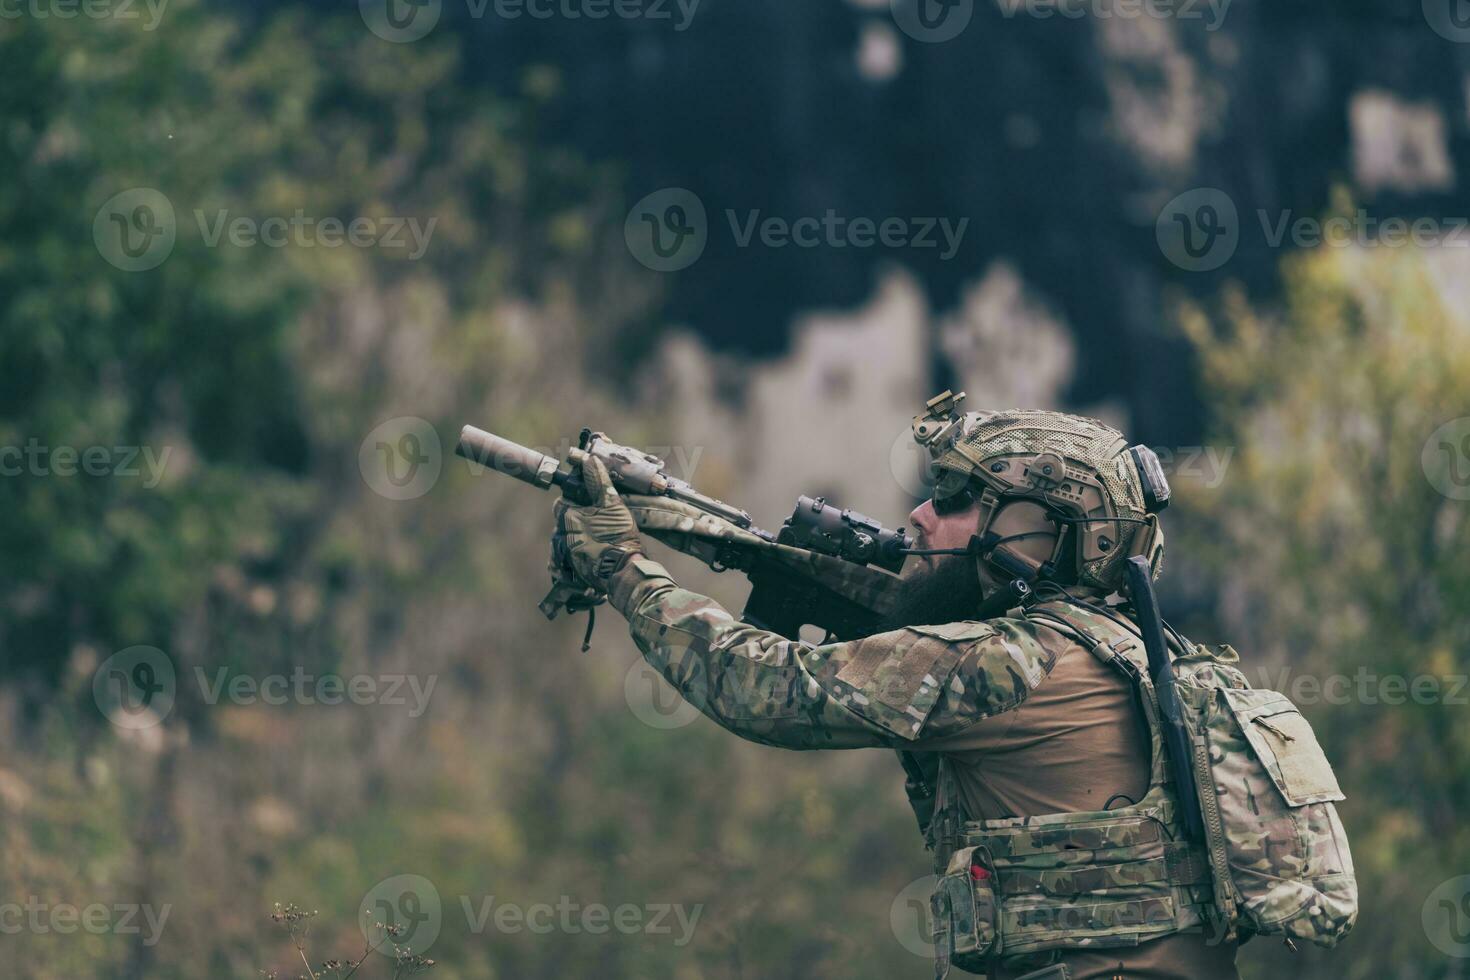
<point x="1023" y="540"/>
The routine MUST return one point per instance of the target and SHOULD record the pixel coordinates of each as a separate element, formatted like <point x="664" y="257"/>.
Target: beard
<point x="946" y="593"/>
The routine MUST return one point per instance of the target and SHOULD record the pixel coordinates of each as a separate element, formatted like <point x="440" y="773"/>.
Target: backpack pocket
<point x="1288" y="856"/>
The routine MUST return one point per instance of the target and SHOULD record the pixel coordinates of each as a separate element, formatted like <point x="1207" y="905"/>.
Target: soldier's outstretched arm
<point x="906" y="689"/>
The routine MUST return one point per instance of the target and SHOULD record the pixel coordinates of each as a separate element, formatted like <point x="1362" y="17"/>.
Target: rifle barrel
<point x="504" y="456"/>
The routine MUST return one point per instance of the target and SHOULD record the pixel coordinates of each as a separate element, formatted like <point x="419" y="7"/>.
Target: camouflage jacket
<point x="1030" y="724"/>
<point x="909" y="688"/>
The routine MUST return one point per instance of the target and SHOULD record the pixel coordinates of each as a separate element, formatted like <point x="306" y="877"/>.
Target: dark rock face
<point x="1059" y="137"/>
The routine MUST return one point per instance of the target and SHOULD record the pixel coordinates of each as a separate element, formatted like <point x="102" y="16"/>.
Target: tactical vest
<point x="1095" y="879"/>
<point x="1274" y="860"/>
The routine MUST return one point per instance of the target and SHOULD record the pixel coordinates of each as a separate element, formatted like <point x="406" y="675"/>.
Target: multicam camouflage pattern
<point x="1072" y="464"/>
<point x="1101" y="878"/>
<point x="1104" y="878"/>
<point x="1276" y="847"/>
<point x="1098" y="879"/>
<point x="964" y="916"/>
<point x="896" y="689"/>
<point x="1268" y="793"/>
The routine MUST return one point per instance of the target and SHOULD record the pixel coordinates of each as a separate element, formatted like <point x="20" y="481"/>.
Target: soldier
<point x="1011" y="690"/>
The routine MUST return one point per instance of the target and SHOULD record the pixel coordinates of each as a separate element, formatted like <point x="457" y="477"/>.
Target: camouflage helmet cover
<point x="1079" y="469"/>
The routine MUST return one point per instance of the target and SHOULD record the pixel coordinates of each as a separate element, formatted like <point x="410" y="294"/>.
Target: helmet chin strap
<point x="1014" y="592"/>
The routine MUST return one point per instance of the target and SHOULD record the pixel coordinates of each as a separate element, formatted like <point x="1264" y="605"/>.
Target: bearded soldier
<point x="1016" y="696"/>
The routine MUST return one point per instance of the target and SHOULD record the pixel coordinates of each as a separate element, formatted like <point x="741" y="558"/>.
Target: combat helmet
<point x="1063" y="497"/>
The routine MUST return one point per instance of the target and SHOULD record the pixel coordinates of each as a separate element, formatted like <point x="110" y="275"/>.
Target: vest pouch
<point x="1101" y="878"/>
<point x="1287" y="851"/>
<point x="964" y="913"/>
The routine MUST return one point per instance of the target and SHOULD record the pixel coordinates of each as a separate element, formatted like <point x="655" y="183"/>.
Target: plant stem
<point x="309" y="971"/>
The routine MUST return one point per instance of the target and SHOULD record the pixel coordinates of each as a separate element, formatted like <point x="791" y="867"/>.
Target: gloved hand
<point x="591" y="543"/>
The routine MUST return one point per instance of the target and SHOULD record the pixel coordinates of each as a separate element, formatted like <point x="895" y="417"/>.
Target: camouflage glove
<point x="591" y="543"/>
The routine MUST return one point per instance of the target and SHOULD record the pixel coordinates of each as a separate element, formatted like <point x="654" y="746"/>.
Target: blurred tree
<point x="230" y="386"/>
<point x="1341" y="541"/>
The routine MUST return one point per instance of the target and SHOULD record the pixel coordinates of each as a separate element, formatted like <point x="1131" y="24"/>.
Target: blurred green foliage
<point x="1343" y="559"/>
<point x="263" y="549"/>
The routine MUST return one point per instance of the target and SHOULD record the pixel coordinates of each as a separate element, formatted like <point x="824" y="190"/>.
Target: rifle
<point x="826" y="567"/>
<point x="830" y="568"/>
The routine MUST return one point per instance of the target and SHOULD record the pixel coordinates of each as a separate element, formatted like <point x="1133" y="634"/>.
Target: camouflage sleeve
<point x="899" y="689"/>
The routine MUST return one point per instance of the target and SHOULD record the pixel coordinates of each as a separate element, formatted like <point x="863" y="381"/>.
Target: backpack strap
<point x="1116" y="645"/>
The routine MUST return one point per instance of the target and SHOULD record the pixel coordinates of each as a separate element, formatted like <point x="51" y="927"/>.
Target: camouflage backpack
<point x="1267" y="791"/>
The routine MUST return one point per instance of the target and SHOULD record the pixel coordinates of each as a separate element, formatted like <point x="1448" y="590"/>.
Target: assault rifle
<point x="826" y="567"/>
